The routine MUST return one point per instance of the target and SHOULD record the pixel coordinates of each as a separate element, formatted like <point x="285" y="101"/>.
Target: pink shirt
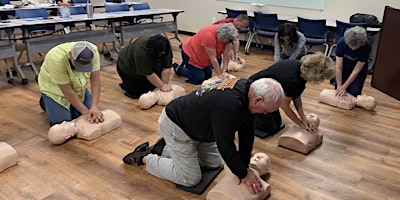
<point x="194" y="46"/>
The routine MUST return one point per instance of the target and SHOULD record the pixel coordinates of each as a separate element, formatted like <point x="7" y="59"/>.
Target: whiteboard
<point x="306" y="4"/>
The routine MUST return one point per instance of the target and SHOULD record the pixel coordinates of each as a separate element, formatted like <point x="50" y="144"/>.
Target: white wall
<point x="198" y="13"/>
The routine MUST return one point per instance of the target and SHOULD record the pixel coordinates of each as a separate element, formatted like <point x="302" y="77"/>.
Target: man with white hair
<point x="199" y="131"/>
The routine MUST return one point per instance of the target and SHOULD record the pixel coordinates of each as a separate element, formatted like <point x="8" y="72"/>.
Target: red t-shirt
<point x="226" y="20"/>
<point x="194" y="46"/>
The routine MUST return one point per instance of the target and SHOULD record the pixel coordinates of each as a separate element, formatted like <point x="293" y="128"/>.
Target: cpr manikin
<point x="8" y="156"/>
<point x="156" y="96"/>
<point x="83" y="129"/>
<point x="301" y="140"/>
<point x="234" y="65"/>
<point x="214" y="79"/>
<point x="348" y="102"/>
<point x="227" y="188"/>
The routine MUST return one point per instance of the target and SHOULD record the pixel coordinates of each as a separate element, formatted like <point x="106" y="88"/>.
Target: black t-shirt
<point x="214" y="113"/>
<point x="287" y="73"/>
<point x="135" y="61"/>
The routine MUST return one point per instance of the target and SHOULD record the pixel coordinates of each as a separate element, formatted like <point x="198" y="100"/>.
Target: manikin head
<point x="59" y="133"/>
<point x="261" y="163"/>
<point x="147" y="100"/>
<point x="314" y="119"/>
<point x="366" y="102"/>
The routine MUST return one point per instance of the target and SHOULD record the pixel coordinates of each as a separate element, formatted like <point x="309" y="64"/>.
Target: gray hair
<point x="226" y="31"/>
<point x="356" y="36"/>
<point x="268" y="88"/>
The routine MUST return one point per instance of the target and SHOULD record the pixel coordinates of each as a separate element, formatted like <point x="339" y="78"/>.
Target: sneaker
<point x="176" y="68"/>
<point x="136" y="156"/>
<point x="158" y="147"/>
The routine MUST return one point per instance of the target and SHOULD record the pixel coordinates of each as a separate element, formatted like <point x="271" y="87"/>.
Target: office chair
<point x="78" y="10"/>
<point x="314" y="31"/>
<point x="36" y="13"/>
<point x="341" y="27"/>
<point x="125" y="21"/>
<point x="234" y="13"/>
<point x="39" y="13"/>
<point x="144" y="18"/>
<point x="264" y="25"/>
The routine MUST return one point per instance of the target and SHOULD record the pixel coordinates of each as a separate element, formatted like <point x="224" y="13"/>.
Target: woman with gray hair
<point x="203" y="51"/>
<point x="352" y="54"/>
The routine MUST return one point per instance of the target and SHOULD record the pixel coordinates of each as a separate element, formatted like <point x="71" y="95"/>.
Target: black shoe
<point x="263" y="134"/>
<point x="192" y="82"/>
<point x="122" y="86"/>
<point x="176" y="68"/>
<point x="41" y="103"/>
<point x="136" y="156"/>
<point x="158" y="147"/>
<point x="332" y="81"/>
<point x="133" y="96"/>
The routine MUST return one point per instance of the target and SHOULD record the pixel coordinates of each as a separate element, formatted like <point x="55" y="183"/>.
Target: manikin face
<point x="367" y="102"/>
<point x="314" y="119"/>
<point x="262" y="162"/>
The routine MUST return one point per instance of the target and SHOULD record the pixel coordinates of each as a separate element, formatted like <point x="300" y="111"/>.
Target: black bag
<point x="267" y="124"/>
<point x="370" y="20"/>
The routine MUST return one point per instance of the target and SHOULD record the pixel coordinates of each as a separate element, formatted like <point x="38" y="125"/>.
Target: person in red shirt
<point x="203" y="51"/>
<point x="240" y="22"/>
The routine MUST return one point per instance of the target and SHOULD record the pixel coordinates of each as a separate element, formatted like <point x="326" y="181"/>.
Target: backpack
<point x="370" y="20"/>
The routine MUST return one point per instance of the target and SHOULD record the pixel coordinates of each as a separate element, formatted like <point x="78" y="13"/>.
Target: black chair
<point x="233" y="14"/>
<point x="315" y="32"/>
<point x="264" y="25"/>
<point x="341" y="27"/>
<point x="144" y="18"/>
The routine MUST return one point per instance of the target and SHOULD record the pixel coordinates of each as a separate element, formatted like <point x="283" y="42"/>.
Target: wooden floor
<point x="358" y="159"/>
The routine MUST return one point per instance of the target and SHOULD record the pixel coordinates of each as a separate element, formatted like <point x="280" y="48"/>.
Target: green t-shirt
<point x="135" y="61"/>
<point x="56" y="70"/>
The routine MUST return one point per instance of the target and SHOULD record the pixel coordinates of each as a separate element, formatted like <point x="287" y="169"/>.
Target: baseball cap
<point x="82" y="53"/>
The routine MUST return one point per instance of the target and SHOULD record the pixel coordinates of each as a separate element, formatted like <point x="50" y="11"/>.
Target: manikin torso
<point x="348" y="102"/>
<point x="147" y="100"/>
<point x="301" y="140"/>
<point x="8" y="156"/>
<point x="83" y="129"/>
<point x="227" y="189"/>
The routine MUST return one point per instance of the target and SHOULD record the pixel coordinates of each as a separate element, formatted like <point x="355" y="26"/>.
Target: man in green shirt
<point x="145" y="65"/>
<point x="64" y="74"/>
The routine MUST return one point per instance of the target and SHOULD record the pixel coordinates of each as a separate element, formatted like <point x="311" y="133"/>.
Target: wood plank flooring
<point x="358" y="159"/>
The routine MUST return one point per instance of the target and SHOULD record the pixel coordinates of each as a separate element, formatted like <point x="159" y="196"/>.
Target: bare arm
<point x="353" y="75"/>
<point x="290" y="113"/>
<point x="212" y="55"/>
<point x="96" y="116"/>
<point x="70" y="95"/>
<point x="160" y="84"/>
<point x="298" y="104"/>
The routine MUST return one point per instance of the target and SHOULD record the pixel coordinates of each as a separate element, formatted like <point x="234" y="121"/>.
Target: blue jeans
<point x="194" y="74"/>
<point x="57" y="113"/>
